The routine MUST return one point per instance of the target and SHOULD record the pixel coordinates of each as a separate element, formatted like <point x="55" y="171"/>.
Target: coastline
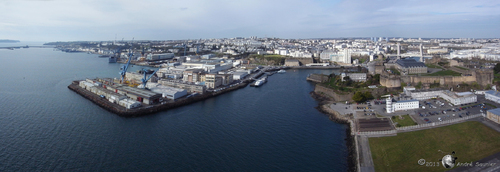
<point x="351" y="142"/>
<point x="142" y="111"/>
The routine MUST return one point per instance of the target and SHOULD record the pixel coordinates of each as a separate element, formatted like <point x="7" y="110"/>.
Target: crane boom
<point x="145" y="80"/>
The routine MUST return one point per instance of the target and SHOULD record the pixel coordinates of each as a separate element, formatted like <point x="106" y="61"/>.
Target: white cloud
<point x="183" y="19"/>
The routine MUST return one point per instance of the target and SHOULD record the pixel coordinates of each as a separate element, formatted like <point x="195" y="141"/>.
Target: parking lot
<point x="439" y="110"/>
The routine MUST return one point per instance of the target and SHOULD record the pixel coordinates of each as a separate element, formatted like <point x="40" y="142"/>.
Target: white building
<point x="452" y="97"/>
<point x="129" y="103"/>
<point x="239" y="75"/>
<point x="458" y="98"/>
<point x="358" y="77"/>
<point x="169" y="92"/>
<point x="492" y="95"/>
<point x="401" y="105"/>
<point x="343" y="56"/>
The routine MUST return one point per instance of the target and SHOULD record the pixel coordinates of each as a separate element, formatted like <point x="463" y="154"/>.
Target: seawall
<point x="122" y="111"/>
<point x="351" y="143"/>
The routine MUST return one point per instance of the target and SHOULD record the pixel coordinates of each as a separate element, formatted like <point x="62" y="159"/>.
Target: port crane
<point x="146" y="78"/>
<point x="124" y="68"/>
<point x="182" y="46"/>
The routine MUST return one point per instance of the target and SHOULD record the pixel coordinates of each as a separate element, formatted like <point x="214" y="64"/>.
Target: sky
<point x="105" y="20"/>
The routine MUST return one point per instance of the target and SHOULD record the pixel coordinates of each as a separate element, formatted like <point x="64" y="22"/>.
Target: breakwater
<point x="150" y="109"/>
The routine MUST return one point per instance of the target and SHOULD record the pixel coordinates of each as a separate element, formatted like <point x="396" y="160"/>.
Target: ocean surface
<point x="44" y="126"/>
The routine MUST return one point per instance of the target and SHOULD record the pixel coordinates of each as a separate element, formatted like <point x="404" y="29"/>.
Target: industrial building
<point x="213" y="80"/>
<point x="129" y="104"/>
<point x="169" y="92"/>
<point x="141" y="95"/>
<point x="163" y="56"/>
<point x="192" y="75"/>
<point x="493" y="115"/>
<point x="492" y="95"/>
<point x="358" y="77"/>
<point x="239" y="75"/>
<point x="191" y="88"/>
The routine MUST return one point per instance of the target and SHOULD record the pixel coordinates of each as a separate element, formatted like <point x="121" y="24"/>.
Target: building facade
<point x="493" y="115"/>
<point x="492" y="95"/>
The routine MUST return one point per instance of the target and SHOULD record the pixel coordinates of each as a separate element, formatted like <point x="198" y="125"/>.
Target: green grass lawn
<point x="471" y="141"/>
<point x="429" y="65"/>
<point x="444" y="73"/>
<point x="492" y="106"/>
<point x="406" y="121"/>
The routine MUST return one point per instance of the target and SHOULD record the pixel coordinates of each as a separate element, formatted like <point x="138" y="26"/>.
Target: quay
<point x="147" y="109"/>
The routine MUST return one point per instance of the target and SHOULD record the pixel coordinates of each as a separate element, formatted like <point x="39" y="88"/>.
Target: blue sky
<point x="96" y="20"/>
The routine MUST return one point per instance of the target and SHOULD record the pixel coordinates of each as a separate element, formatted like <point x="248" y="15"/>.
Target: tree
<point x="368" y="95"/>
<point x="419" y="85"/>
<point x="497" y="68"/>
<point x="358" y="97"/>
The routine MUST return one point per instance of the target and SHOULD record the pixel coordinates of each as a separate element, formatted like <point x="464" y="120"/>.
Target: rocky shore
<point x="323" y="107"/>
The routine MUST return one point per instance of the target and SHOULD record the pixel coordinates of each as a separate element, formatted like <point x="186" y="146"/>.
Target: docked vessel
<point x="103" y="56"/>
<point x="112" y="59"/>
<point x="259" y="81"/>
<point x="281" y="71"/>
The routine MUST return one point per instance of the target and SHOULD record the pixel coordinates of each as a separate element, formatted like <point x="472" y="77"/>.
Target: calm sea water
<point x="44" y="126"/>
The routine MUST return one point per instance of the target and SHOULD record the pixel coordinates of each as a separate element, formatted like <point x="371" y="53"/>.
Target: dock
<point x="146" y="109"/>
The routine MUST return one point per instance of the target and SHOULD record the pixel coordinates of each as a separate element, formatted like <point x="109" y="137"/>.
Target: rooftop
<point x="409" y="63"/>
<point x="495" y="111"/>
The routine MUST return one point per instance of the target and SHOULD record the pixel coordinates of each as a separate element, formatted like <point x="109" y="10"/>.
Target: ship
<point x="281" y="71"/>
<point x="103" y="56"/>
<point x="259" y="81"/>
<point x="112" y="59"/>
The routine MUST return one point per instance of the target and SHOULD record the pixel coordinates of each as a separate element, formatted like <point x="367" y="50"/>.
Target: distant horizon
<point x="55" y="20"/>
<point x="423" y="38"/>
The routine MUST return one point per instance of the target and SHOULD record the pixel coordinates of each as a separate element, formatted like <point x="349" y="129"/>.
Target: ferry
<point x="281" y="71"/>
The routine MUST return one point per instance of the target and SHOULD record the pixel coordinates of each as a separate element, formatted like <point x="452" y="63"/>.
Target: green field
<point x="444" y="73"/>
<point x="471" y="141"/>
<point x="433" y="66"/>
<point x="406" y="121"/>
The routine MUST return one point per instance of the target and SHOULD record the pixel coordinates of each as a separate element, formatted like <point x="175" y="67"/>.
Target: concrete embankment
<point x="122" y="111"/>
<point x="351" y="142"/>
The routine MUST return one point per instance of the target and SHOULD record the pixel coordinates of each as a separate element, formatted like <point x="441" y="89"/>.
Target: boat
<point x="103" y="56"/>
<point x="112" y="59"/>
<point x="259" y="83"/>
<point x="281" y="71"/>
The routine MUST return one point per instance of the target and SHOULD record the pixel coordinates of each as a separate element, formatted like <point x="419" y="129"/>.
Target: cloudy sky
<point x="93" y="20"/>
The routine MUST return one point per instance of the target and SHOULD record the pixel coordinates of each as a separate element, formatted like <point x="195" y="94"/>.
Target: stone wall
<point x="481" y="77"/>
<point x="321" y="90"/>
<point x="390" y="81"/>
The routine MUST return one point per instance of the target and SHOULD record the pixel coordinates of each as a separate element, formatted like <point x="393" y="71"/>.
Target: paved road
<point x="365" y="155"/>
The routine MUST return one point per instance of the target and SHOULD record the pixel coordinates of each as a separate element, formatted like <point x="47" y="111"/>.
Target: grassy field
<point x="444" y="73"/>
<point x="429" y="65"/>
<point x="471" y="141"/>
<point x="406" y="121"/>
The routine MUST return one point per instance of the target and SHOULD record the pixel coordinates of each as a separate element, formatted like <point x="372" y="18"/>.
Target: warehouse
<point x="169" y="92"/>
<point x="129" y="104"/>
<point x="458" y="98"/>
<point x="141" y="95"/>
<point x="239" y="75"/>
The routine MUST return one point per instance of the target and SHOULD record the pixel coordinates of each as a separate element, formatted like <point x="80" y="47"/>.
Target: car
<point x="460" y="116"/>
<point x="425" y="119"/>
<point x="429" y="121"/>
<point x="440" y="119"/>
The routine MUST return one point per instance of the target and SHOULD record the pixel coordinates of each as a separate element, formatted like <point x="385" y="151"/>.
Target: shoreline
<point x="351" y="142"/>
<point x="151" y="109"/>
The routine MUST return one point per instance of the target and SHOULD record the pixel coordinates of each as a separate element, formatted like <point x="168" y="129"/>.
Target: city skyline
<point x="55" y="20"/>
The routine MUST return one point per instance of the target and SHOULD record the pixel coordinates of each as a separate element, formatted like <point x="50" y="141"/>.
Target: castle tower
<point x="388" y="103"/>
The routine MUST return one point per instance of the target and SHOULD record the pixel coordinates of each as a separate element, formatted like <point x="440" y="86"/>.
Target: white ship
<point x="281" y="71"/>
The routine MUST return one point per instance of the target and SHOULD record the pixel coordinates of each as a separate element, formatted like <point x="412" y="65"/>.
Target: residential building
<point x="358" y="77"/>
